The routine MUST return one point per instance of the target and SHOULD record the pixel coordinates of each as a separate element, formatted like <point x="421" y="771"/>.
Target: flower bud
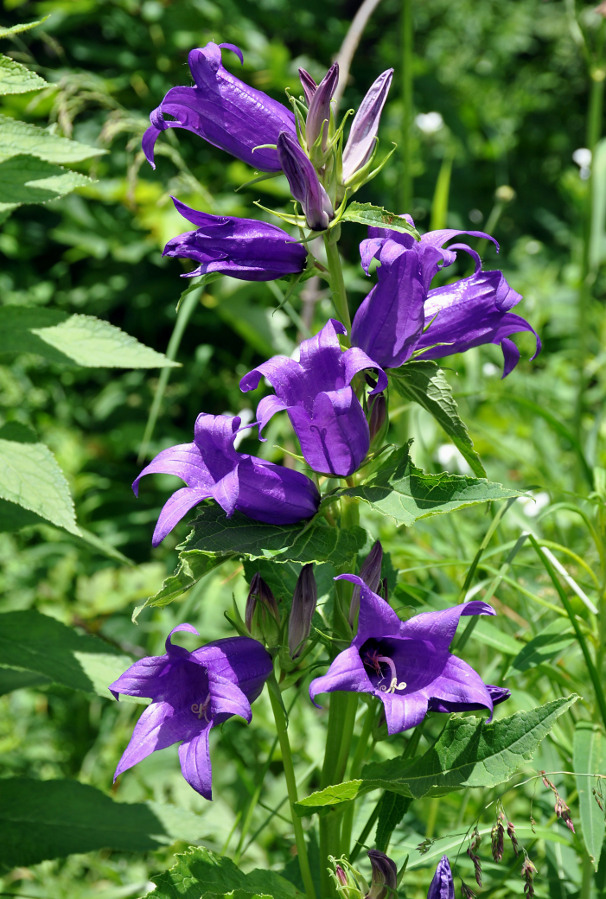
<point x="384" y="876"/>
<point x="304" y="184"/>
<point x="378" y="423"/>
<point x="370" y="572"/>
<point x="304" y="603"/>
<point x="262" y="615"/>
<point x="442" y="885"/>
<point x="318" y="116"/>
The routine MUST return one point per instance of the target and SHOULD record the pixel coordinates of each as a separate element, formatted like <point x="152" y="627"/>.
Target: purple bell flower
<point x="442" y="885"/>
<point x="191" y="693"/>
<point x="224" y="111"/>
<point x="211" y="468"/>
<point x="402" y="315"/>
<point x="243" y="248"/>
<point x="304" y="183"/>
<point x="323" y="408"/>
<point x="365" y="126"/>
<point x="406" y="664"/>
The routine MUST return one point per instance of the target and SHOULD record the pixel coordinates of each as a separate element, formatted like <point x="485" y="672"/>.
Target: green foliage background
<point x="511" y="82"/>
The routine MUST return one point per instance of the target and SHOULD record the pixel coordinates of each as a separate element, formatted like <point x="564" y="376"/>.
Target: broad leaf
<point x="406" y="493"/>
<point x="468" y="753"/>
<point x="42" y="819"/>
<point x="589" y="758"/>
<point x="25" y="179"/>
<point x="202" y="874"/>
<point x="17" y="79"/>
<point x="216" y="538"/>
<point x="377" y="217"/>
<point x="425" y="383"/>
<point x="32" y="642"/>
<point x="18" y="138"/>
<point x="73" y="340"/>
<point x="32" y="479"/>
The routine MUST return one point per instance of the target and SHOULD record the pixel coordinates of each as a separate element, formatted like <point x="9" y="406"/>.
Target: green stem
<point x="190" y="299"/>
<point x="291" y="784"/>
<point x="591" y="668"/>
<point x="354" y="771"/>
<point x="335" y="276"/>
<point x="406" y="182"/>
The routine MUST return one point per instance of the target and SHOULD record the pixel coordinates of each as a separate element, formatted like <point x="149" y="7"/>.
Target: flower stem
<point x="291" y="784"/>
<point x="335" y="276"/>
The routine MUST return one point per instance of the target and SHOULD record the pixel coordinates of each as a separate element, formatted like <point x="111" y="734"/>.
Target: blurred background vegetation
<point x="501" y="93"/>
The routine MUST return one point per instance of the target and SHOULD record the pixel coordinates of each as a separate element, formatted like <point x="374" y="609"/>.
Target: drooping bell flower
<point x="365" y="126"/>
<point x="315" y="391"/>
<point x="442" y="885"/>
<point x="406" y="664"/>
<point x="242" y="248"/>
<point x="191" y="693"/>
<point x="224" y="111"/>
<point x="402" y="315"/>
<point x="304" y="183"/>
<point x="213" y="469"/>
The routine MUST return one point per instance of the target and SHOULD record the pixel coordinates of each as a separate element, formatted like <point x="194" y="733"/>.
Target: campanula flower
<point x="322" y="406"/>
<point x="224" y="111"/>
<point x="304" y="183"/>
<point x="442" y="885"/>
<point x="211" y="468"/>
<point x="191" y="693"/>
<point x="363" y="132"/>
<point x="401" y="315"/>
<point x="406" y="664"/>
<point x="243" y="248"/>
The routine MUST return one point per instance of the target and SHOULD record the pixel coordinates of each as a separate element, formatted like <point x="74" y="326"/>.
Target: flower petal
<point x="439" y="627"/>
<point x="194" y="756"/>
<point x="175" y="507"/>
<point x="157" y="728"/>
<point x="346" y="672"/>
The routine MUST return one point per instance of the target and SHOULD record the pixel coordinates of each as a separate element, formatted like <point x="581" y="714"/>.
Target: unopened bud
<point x="309" y="85"/>
<point x="304" y="603"/>
<point x="384" y="876"/>
<point x="370" y="572"/>
<point x="378" y="422"/>
<point x="318" y="116"/>
<point x="442" y="886"/>
<point x="262" y="615"/>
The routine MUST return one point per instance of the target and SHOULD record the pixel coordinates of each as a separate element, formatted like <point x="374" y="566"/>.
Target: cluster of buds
<point x="497" y="837"/>
<point x="561" y="808"/>
<point x="351" y="885"/>
<point x="263" y="618"/>
<point x="528" y="871"/>
<point x="472" y="849"/>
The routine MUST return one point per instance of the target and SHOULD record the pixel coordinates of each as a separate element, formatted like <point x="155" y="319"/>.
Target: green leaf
<point x="32" y="479"/>
<point x="405" y="493"/>
<point x="468" y="753"/>
<point x="17" y="79"/>
<point x="589" y="758"/>
<point x="25" y="179"/>
<point x="551" y="642"/>
<point x="392" y="808"/>
<point x="30" y="641"/>
<point x="216" y="538"/>
<point x="18" y="138"/>
<point x="73" y="340"/>
<point x="202" y="874"/>
<point x="17" y="678"/>
<point x="377" y="217"/>
<point x="19" y="29"/>
<point x="55" y="818"/>
<point x="425" y="383"/>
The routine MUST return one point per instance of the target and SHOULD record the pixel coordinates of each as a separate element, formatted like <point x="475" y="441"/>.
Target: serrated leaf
<point x="202" y="873"/>
<point x="589" y="758"/>
<point x="32" y="479"/>
<point x="377" y="217"/>
<point x="26" y="180"/>
<point x="43" y="819"/>
<point x="73" y="340"/>
<point x="30" y="641"/>
<point x="425" y="383"/>
<point x="468" y="753"/>
<point x="552" y="641"/>
<point x="18" y="138"/>
<point x="19" y="29"/>
<point x="406" y="493"/>
<point x="315" y="541"/>
<point x="16" y="78"/>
